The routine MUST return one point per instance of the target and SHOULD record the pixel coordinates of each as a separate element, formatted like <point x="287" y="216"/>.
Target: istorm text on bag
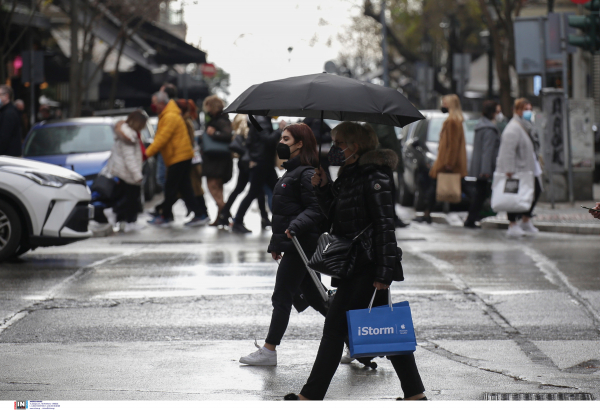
<point x="369" y="331"/>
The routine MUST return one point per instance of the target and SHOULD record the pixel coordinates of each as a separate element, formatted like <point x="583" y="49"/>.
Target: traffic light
<point x="590" y="28"/>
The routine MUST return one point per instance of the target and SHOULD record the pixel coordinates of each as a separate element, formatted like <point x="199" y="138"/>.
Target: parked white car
<point x="41" y="205"/>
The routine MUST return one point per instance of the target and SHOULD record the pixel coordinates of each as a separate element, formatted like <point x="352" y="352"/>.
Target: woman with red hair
<point x="295" y="213"/>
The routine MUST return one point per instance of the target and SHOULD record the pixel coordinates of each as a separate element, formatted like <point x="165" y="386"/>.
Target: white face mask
<point x="499" y="117"/>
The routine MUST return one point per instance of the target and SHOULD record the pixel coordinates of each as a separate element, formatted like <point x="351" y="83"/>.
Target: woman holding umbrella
<point x="361" y="195"/>
<point x="295" y="213"/>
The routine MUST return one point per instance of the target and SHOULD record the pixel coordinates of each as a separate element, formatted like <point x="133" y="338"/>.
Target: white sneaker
<point x="262" y="357"/>
<point x="528" y="227"/>
<point x="346" y="357"/>
<point x="515" y="231"/>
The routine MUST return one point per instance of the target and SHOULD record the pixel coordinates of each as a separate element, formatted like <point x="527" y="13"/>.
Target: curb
<point x="581" y="229"/>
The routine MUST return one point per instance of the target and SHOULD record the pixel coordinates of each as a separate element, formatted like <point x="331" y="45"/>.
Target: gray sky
<point x="250" y="38"/>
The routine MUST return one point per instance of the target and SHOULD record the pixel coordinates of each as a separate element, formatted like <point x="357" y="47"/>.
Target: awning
<point x="170" y="49"/>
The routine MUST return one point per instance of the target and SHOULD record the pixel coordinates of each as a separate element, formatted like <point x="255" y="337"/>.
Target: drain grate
<point x="538" y="396"/>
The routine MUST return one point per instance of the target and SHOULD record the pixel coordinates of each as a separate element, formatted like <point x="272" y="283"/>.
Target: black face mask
<point x="284" y="151"/>
<point x="444" y="110"/>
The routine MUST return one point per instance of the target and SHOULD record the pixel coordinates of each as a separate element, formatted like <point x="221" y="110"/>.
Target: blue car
<point x="83" y="145"/>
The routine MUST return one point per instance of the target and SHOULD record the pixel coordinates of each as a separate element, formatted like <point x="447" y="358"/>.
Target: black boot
<point x="240" y="228"/>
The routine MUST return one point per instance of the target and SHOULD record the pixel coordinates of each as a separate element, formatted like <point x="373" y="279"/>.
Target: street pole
<point x="565" y="55"/>
<point x="386" y="75"/>
<point x="31" y="79"/>
<point x="490" y="71"/>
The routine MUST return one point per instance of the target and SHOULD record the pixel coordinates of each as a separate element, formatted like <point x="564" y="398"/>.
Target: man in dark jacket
<point x="386" y="134"/>
<point x="10" y="124"/>
<point x="483" y="160"/>
<point x="262" y="146"/>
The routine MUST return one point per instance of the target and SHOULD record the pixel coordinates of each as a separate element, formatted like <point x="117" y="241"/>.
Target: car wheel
<point x="10" y="231"/>
<point x="406" y="198"/>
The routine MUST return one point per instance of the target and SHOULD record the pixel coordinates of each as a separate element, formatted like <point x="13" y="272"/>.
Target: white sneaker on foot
<point x="514" y="231"/>
<point x="346" y="357"/>
<point x="528" y="227"/>
<point x="262" y="357"/>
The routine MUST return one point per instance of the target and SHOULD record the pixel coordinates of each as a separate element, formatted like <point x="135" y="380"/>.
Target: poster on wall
<point x="554" y="141"/>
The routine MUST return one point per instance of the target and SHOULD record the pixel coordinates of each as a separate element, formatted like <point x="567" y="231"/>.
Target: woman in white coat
<point x="517" y="154"/>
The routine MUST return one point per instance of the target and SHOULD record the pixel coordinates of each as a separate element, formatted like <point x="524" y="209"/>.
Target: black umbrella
<point x="326" y="96"/>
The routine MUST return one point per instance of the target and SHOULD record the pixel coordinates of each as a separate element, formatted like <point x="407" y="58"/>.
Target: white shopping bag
<point x="514" y="194"/>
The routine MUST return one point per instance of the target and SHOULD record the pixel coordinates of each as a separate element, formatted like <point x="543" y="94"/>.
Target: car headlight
<point x="44" y="179"/>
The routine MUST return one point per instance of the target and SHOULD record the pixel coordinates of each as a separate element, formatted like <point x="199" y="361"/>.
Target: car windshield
<point x="435" y="127"/>
<point x="69" y="139"/>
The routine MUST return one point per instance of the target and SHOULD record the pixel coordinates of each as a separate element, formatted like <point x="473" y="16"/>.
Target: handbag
<point x="333" y="255"/>
<point x="212" y="146"/>
<point x="238" y="145"/>
<point x="381" y="331"/>
<point x="448" y="188"/>
<point x="104" y="186"/>
<point x="513" y="194"/>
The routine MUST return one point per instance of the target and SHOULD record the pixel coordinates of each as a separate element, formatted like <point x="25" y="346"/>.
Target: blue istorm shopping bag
<point x="381" y="331"/>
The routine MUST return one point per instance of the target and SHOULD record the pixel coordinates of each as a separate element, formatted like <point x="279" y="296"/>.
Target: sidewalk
<point x="564" y="218"/>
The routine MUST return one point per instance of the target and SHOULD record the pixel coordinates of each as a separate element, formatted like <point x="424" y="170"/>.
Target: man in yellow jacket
<point x="173" y="142"/>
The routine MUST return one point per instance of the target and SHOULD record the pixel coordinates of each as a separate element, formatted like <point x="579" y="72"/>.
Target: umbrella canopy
<point x="327" y="96"/>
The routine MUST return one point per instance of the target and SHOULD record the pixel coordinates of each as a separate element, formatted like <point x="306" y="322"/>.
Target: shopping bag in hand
<point x="448" y="188"/>
<point x="381" y="331"/>
<point x="513" y="194"/>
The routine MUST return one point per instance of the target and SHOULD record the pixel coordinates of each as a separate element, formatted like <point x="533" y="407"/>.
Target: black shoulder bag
<point x="333" y="255"/>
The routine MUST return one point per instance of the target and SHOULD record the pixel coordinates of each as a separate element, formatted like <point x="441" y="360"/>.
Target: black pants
<point x="127" y="202"/>
<point x="538" y="191"/>
<point x="178" y="181"/>
<point x="261" y="174"/>
<point x="292" y="278"/>
<point x="430" y="193"/>
<point x="353" y="294"/>
<point x="482" y="190"/>
<point x="242" y="181"/>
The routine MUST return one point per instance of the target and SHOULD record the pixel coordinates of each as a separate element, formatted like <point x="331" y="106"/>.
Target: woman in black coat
<point x="217" y="167"/>
<point x="361" y="195"/>
<point x="295" y="213"/>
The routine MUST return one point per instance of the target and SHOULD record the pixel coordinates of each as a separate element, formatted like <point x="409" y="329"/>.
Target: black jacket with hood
<point x="295" y="207"/>
<point x="362" y="195"/>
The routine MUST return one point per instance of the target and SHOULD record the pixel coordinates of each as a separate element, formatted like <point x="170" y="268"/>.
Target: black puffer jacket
<point x="295" y="207"/>
<point x="262" y="145"/>
<point x="361" y="195"/>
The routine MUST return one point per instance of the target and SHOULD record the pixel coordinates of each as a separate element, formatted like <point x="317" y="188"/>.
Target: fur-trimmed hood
<point x="379" y="157"/>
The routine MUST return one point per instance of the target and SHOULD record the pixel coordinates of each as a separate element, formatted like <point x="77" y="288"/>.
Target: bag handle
<point x="389" y="300"/>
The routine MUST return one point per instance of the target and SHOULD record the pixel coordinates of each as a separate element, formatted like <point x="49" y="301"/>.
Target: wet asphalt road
<point x="164" y="314"/>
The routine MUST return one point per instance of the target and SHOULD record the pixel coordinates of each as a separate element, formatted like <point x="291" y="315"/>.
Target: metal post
<point x="31" y="79"/>
<point x="490" y="70"/>
<point x="386" y="76"/>
<point x="563" y="37"/>
<point x="542" y="24"/>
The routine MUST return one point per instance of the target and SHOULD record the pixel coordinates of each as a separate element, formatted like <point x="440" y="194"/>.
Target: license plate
<point x="91" y="211"/>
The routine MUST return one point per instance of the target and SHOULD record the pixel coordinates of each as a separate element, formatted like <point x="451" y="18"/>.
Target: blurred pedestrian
<point x="295" y="213"/>
<point x="596" y="214"/>
<point x="240" y="130"/>
<point x="173" y="141"/>
<point x="190" y="113"/>
<point x="518" y="154"/>
<point x="386" y="134"/>
<point x="45" y="113"/>
<point x="359" y="197"/>
<point x="125" y="163"/>
<point x="322" y="133"/>
<point x="10" y="124"/>
<point x="161" y="168"/>
<point x="217" y="166"/>
<point x="452" y="151"/>
<point x="261" y="149"/>
<point x="483" y="159"/>
<point x="20" y="106"/>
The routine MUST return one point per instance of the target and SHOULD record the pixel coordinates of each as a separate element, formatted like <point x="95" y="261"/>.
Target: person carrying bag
<point x="361" y="195"/>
